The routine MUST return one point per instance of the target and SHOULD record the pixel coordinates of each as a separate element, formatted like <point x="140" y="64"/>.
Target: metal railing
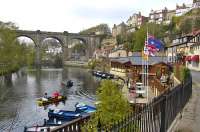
<point x="156" y="116"/>
<point x="72" y="126"/>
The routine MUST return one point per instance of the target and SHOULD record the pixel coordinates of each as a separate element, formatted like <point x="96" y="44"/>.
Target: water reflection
<point x="18" y="98"/>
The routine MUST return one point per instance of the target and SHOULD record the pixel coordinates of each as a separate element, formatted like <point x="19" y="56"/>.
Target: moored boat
<point x="62" y="114"/>
<point x="54" y="122"/>
<point x="47" y="126"/>
<point x="46" y="101"/>
<point x="103" y="75"/>
<point x="38" y="128"/>
<point x="83" y="108"/>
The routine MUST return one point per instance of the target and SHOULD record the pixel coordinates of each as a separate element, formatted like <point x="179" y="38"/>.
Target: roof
<point x="122" y="61"/>
<point x="137" y="60"/>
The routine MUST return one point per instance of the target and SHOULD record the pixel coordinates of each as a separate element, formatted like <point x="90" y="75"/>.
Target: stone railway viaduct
<point x="64" y="38"/>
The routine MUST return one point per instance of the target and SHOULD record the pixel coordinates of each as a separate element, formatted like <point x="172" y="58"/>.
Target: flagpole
<point x="145" y="61"/>
<point x="147" y="70"/>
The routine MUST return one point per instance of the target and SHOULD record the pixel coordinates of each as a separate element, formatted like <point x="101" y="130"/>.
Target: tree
<point x="92" y="64"/>
<point x="120" y="39"/>
<point x="128" y="46"/>
<point x="10" y="50"/>
<point x="157" y="30"/>
<point x="12" y="53"/>
<point x="139" y="38"/>
<point x="58" y="63"/>
<point x="30" y="57"/>
<point x="113" y="106"/>
<point x="103" y="28"/>
<point x="186" y="25"/>
<point x="197" y="23"/>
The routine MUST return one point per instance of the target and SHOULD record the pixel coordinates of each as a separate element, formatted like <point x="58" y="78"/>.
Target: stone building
<point x="119" y="29"/>
<point x="158" y="16"/>
<point x="108" y="45"/>
<point x="169" y="16"/>
<point x="135" y="21"/>
<point x="120" y="53"/>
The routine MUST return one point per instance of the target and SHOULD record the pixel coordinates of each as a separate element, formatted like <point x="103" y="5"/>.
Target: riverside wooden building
<point x="131" y="67"/>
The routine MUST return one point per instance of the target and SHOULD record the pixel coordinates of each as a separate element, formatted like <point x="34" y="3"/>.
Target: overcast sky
<point x="75" y="15"/>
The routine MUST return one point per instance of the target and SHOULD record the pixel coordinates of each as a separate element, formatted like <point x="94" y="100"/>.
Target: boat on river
<point x="47" y="126"/>
<point x="63" y="114"/>
<point x="67" y="83"/>
<point x="50" y="100"/>
<point x="54" y="122"/>
<point x="83" y="108"/>
<point x="102" y="75"/>
<point x="38" y="128"/>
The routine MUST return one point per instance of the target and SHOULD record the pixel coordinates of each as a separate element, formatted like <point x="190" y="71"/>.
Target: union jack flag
<point x="152" y="46"/>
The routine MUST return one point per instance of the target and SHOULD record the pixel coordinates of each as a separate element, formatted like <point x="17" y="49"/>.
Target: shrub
<point x="112" y="108"/>
<point x="181" y="72"/>
<point x="185" y="73"/>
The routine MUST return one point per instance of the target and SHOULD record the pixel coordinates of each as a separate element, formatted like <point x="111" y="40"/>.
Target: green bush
<point x="181" y="72"/>
<point x="184" y="73"/>
<point x="112" y="108"/>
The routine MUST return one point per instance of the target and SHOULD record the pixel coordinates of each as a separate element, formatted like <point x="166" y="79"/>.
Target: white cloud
<point x="75" y="15"/>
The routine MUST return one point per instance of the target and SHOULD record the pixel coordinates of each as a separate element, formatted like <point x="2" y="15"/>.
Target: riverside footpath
<point x="190" y="121"/>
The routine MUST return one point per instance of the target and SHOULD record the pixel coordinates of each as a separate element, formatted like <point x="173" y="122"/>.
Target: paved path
<point x="190" y="121"/>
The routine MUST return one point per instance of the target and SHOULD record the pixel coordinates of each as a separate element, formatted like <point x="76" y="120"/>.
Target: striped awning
<point x="195" y="58"/>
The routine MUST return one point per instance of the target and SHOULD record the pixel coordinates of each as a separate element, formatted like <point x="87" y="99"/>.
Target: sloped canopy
<point x="195" y="58"/>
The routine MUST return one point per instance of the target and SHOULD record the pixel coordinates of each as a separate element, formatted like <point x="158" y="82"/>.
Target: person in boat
<point x="56" y="94"/>
<point x="69" y="83"/>
<point x="45" y="95"/>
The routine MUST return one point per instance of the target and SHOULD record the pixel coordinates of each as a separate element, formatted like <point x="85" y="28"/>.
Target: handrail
<point x="74" y="125"/>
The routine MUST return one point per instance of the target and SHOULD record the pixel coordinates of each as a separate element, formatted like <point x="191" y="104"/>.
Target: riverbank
<point x="81" y="64"/>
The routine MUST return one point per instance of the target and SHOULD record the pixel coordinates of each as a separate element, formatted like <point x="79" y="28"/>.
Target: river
<point x="18" y="106"/>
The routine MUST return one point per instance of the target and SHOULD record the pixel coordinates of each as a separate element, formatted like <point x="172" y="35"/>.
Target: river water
<point x="18" y="106"/>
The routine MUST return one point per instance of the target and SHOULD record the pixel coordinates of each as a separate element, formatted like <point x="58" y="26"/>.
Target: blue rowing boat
<point x="83" y="108"/>
<point x="62" y="114"/>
